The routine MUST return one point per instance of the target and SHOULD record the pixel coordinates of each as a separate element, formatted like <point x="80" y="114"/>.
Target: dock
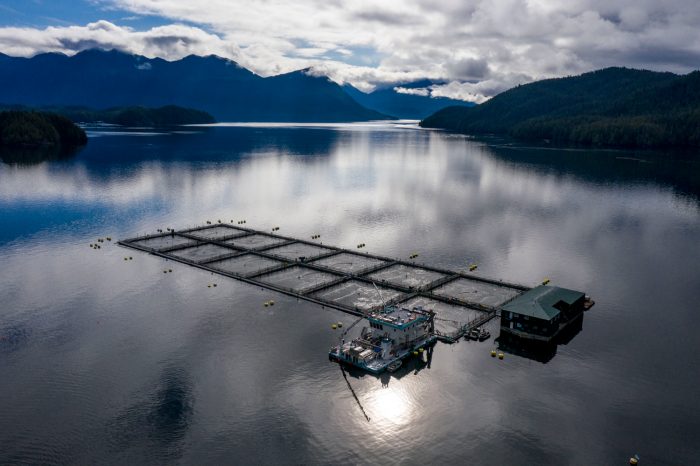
<point x="347" y="280"/>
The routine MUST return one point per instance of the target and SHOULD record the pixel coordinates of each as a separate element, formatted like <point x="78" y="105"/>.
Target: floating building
<point x="543" y="312"/>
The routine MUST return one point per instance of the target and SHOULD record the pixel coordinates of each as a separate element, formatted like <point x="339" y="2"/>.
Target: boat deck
<point x="342" y="279"/>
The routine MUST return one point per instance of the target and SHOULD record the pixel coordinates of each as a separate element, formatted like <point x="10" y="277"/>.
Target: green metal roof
<point x="539" y="302"/>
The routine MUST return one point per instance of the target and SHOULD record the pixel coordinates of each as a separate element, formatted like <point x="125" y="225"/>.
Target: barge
<point x="393" y="334"/>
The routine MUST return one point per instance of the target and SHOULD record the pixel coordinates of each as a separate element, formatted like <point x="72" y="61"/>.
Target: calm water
<point x="107" y="361"/>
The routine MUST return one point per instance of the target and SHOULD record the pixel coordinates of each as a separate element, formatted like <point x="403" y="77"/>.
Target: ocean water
<point x="106" y="361"/>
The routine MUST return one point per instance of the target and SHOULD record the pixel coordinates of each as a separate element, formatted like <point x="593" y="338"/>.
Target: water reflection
<point x="163" y="418"/>
<point x="390" y="405"/>
<point x="539" y="351"/>
<point x="676" y="170"/>
<point x="27" y="156"/>
<point x="179" y="372"/>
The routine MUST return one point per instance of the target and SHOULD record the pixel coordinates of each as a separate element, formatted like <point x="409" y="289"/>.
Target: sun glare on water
<point x="391" y="405"/>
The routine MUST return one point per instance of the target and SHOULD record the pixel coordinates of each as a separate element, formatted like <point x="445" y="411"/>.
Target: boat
<point x="393" y="334"/>
<point x="484" y="335"/>
<point x="394" y="366"/>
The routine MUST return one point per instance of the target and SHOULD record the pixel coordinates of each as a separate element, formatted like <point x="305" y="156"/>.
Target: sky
<point x="471" y="49"/>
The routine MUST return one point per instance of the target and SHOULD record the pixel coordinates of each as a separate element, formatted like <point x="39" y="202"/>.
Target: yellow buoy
<point x="545" y="281"/>
<point x="266" y="304"/>
<point x="126" y="258"/>
<point x="208" y="286"/>
<point x="420" y="350"/>
<point x="493" y="353"/>
<point x="634" y="460"/>
<point x="501" y="355"/>
<point x="472" y="267"/>
<point x="334" y="326"/>
<point x="415" y="353"/>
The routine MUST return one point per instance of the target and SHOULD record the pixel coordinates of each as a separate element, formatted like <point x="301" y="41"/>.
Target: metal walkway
<point x="342" y="279"/>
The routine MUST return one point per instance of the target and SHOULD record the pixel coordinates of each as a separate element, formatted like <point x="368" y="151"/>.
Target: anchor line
<point x="353" y="393"/>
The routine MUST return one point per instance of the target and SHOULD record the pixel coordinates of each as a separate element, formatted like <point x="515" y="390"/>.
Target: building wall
<point x="529" y="324"/>
<point x="399" y="335"/>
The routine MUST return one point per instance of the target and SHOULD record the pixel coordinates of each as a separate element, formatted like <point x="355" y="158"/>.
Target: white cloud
<point x="170" y="42"/>
<point x="479" y="47"/>
<point x="413" y="91"/>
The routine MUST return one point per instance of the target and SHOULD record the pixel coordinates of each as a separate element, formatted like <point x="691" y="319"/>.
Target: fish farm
<point x="350" y="281"/>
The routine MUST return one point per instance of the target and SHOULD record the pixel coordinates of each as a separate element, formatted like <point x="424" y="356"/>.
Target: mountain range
<point x="608" y="107"/>
<point x="102" y="79"/>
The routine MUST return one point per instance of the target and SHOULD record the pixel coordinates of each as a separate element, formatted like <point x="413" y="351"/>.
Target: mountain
<point x="609" y="107"/>
<point x="402" y="105"/>
<point x="103" y="79"/>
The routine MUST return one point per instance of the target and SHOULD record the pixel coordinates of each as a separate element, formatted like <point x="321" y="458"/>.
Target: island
<point x="30" y="136"/>
<point x="168" y="115"/>
<point x="612" y="107"/>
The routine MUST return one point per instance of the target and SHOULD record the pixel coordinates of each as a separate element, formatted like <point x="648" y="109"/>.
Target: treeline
<point x="169" y="115"/>
<point x="611" y="107"/>
<point x="29" y="128"/>
<point x="673" y="129"/>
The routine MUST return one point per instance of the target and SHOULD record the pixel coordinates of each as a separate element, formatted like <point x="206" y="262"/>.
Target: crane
<point x="341" y="338"/>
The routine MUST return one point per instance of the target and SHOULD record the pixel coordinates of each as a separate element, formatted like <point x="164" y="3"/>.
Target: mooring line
<point x="353" y="392"/>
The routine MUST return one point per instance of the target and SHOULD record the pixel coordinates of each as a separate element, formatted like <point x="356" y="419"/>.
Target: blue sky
<point x="475" y="48"/>
<point x="43" y="13"/>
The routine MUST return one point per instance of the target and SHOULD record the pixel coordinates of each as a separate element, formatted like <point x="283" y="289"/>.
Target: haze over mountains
<point x="102" y="79"/>
<point x="412" y="103"/>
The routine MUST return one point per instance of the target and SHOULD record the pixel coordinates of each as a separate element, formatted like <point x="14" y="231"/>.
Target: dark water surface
<point x="110" y="361"/>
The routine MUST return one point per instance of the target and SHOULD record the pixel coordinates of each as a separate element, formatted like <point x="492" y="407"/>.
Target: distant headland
<point x="31" y="136"/>
<point x="612" y="107"/>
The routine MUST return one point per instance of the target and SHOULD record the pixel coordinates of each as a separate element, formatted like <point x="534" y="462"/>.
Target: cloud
<point x="170" y="42"/>
<point x="468" y="68"/>
<point x="479" y="47"/>
<point x="422" y="91"/>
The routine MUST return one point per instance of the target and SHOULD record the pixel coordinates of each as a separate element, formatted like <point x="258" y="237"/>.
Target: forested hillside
<point x="27" y="128"/>
<point x="609" y="107"/>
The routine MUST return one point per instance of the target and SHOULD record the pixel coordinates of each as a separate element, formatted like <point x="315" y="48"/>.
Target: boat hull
<point x="377" y="366"/>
